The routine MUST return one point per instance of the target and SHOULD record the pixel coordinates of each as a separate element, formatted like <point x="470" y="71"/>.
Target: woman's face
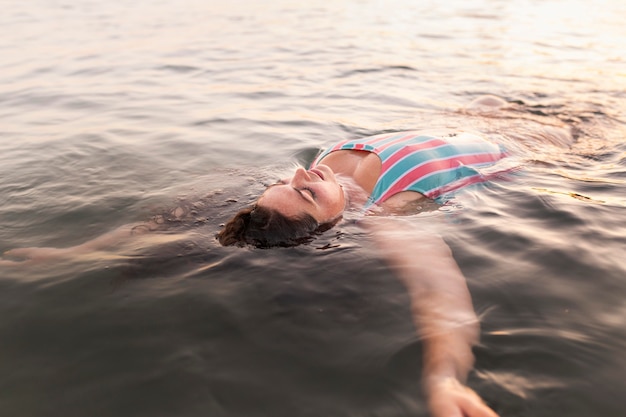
<point x="315" y="192"/>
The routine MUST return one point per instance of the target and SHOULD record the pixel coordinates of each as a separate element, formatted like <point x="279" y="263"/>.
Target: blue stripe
<point x="440" y="178"/>
<point x="418" y="140"/>
<point x="463" y="145"/>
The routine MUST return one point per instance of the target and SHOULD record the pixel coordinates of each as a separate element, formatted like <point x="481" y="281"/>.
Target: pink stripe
<point x="409" y="135"/>
<point x="376" y="139"/>
<point x="359" y="146"/>
<point x="339" y="145"/>
<point x="407" y="150"/>
<point x="373" y="140"/>
<point x="432" y="167"/>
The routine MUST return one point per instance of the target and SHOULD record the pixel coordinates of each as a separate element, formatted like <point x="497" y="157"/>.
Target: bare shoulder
<point x="362" y="166"/>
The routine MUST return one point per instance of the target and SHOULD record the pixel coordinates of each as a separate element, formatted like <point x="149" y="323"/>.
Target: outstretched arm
<point x="38" y="254"/>
<point x="442" y="311"/>
<point x="124" y="235"/>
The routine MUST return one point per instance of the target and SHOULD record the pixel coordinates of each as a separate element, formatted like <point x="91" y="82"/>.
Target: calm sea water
<point x="112" y="112"/>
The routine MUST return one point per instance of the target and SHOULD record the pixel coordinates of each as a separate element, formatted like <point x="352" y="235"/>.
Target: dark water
<point x="112" y="112"/>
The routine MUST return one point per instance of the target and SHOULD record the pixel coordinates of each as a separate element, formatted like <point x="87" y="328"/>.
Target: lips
<point x="318" y="173"/>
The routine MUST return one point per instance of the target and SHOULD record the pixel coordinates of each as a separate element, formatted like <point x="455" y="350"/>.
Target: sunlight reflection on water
<point x="113" y="112"/>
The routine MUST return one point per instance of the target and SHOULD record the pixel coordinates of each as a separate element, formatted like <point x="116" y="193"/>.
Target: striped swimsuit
<point x="430" y="165"/>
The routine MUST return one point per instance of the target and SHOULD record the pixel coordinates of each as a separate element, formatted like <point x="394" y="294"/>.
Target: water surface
<point x="114" y="112"/>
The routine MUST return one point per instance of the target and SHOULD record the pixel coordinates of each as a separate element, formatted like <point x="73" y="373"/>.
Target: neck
<point x="355" y="195"/>
<point x="362" y="166"/>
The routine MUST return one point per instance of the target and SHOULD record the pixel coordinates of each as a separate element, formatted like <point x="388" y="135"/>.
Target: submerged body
<point x="382" y="176"/>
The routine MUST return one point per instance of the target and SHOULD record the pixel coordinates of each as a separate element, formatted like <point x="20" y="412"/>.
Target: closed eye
<point x="310" y="194"/>
<point x="310" y="191"/>
<point x="306" y="194"/>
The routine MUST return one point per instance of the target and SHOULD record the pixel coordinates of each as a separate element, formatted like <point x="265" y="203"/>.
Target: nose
<point x="300" y="177"/>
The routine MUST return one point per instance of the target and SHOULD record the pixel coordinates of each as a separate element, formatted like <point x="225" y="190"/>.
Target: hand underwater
<point x="450" y="398"/>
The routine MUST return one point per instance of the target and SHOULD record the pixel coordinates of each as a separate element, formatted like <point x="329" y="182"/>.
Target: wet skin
<point x="315" y="192"/>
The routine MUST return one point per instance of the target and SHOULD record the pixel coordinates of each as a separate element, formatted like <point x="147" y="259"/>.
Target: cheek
<point x="335" y="197"/>
<point x="340" y="197"/>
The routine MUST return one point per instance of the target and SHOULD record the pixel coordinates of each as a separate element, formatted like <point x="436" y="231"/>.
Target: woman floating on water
<point x="387" y="175"/>
<point x="381" y="176"/>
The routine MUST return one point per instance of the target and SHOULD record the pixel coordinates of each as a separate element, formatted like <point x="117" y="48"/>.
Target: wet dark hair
<point x="264" y="228"/>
